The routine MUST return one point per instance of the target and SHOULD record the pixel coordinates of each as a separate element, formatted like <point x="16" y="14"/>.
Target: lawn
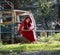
<point x="44" y="44"/>
<point x="29" y="47"/>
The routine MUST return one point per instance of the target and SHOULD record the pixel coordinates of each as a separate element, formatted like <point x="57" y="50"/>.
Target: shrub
<point x="50" y="39"/>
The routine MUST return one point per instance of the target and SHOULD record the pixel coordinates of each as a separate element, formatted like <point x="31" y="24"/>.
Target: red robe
<point x="27" y="34"/>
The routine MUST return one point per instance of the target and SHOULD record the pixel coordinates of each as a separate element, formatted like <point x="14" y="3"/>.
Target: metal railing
<point x="41" y="32"/>
<point x="47" y="32"/>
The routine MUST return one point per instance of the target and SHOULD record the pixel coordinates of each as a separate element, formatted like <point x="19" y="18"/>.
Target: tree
<point x="16" y="3"/>
<point x="47" y="13"/>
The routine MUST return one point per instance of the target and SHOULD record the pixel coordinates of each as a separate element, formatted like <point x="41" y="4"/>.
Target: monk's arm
<point x="25" y="29"/>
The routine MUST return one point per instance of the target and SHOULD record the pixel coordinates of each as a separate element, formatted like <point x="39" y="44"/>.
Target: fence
<point x="47" y="32"/>
<point x="40" y="33"/>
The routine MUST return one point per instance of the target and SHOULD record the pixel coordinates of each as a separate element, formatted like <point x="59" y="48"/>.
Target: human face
<point x="28" y="20"/>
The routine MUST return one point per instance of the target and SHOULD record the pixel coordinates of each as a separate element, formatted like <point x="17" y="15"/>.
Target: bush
<point x="0" y="42"/>
<point x="51" y="39"/>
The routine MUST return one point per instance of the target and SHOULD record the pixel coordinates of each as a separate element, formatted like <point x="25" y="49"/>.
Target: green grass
<point x="44" y="44"/>
<point x="29" y="47"/>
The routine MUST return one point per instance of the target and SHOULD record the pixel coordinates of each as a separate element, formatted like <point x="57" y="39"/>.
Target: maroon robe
<point x="28" y="34"/>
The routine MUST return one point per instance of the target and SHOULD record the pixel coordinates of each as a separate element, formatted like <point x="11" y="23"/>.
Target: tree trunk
<point x="16" y="3"/>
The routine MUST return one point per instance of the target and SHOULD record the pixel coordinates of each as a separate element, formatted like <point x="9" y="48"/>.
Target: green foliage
<point x="2" y="25"/>
<point x="46" y="13"/>
<point x="57" y="37"/>
<point x="0" y="42"/>
<point x="51" y="39"/>
<point x="29" y="47"/>
<point x="44" y="39"/>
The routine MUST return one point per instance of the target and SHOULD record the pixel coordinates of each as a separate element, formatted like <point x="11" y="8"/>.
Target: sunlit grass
<point x="44" y="44"/>
<point x="30" y="47"/>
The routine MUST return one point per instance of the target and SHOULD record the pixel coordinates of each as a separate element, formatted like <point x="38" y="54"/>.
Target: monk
<point x="26" y="31"/>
